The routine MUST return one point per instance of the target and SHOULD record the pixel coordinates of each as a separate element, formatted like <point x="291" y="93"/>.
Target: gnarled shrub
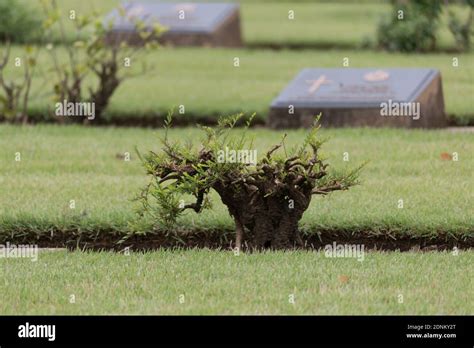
<point x="266" y="197"/>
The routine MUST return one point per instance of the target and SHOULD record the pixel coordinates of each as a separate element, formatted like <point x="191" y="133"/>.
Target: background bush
<point x="18" y="22"/>
<point x="462" y="31"/>
<point x="416" y="31"/>
<point x="406" y="35"/>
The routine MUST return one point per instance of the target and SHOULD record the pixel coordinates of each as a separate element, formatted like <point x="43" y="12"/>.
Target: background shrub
<point x="18" y="22"/>
<point x="416" y="31"/>
<point x="462" y="31"/>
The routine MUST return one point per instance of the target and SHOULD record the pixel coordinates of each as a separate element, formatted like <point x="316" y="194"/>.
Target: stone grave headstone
<point x="188" y="24"/>
<point x="377" y="97"/>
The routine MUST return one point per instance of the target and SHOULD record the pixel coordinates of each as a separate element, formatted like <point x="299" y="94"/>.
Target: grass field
<point x="44" y="168"/>
<point x="63" y="163"/>
<point x="214" y="282"/>
<point x="265" y="23"/>
<point x="206" y="82"/>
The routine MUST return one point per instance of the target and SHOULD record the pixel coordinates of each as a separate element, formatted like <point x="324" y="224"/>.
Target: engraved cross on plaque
<point x="315" y="84"/>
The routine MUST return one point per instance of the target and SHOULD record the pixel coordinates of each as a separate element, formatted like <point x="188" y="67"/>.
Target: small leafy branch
<point x="93" y="53"/>
<point x="266" y="199"/>
<point x="15" y="92"/>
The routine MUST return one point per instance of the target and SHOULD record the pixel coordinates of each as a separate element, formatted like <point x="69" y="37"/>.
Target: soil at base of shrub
<point x="224" y="240"/>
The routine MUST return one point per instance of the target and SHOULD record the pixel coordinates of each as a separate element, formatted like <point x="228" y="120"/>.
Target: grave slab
<point x="188" y="24"/>
<point x="375" y="97"/>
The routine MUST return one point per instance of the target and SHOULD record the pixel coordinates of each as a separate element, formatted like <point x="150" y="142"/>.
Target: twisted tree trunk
<point x="268" y="221"/>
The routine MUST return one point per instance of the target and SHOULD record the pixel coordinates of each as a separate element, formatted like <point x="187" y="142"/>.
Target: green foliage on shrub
<point x="17" y="22"/>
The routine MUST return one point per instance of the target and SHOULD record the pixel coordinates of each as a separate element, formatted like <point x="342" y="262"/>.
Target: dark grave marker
<point x="395" y="97"/>
<point x="188" y="24"/>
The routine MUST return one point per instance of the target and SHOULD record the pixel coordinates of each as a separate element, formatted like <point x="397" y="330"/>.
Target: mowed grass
<point x="349" y="24"/>
<point x="268" y="23"/>
<point x="63" y="163"/>
<point x="206" y="82"/>
<point x="218" y="282"/>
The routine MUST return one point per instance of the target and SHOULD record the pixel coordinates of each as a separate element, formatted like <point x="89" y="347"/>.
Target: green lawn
<point x="350" y="24"/>
<point x="206" y="82"/>
<point x="218" y="282"/>
<point x="60" y="164"/>
<point x="63" y="163"/>
<point x="267" y="23"/>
